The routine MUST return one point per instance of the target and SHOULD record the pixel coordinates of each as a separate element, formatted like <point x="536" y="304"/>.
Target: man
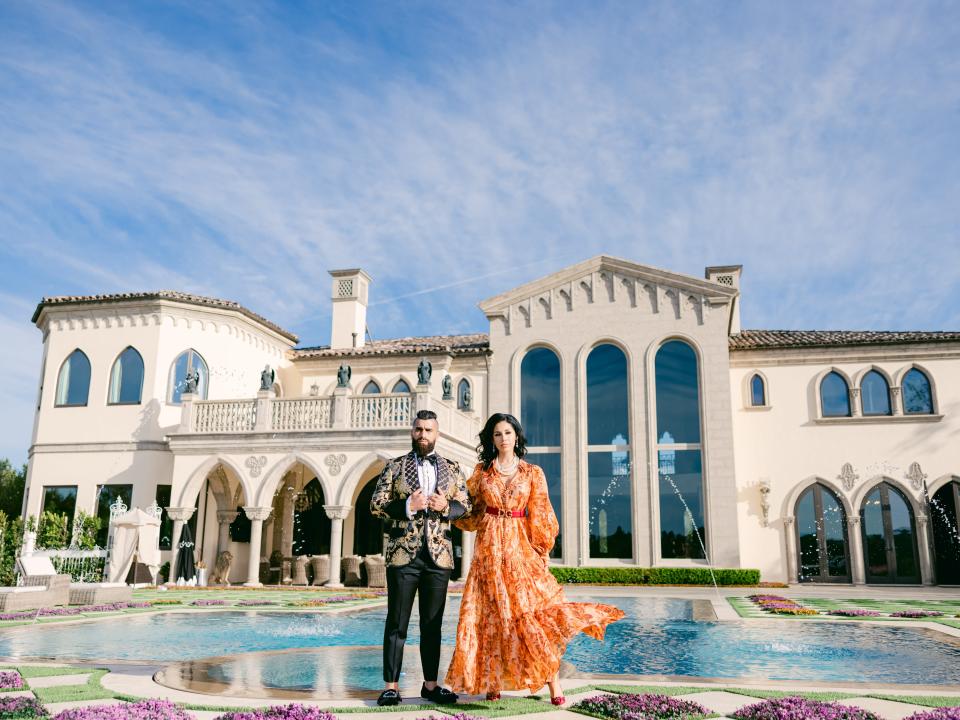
<point x="418" y="494"/>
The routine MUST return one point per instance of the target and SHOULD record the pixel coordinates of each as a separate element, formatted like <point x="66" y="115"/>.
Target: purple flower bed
<point x="458" y="716"/>
<point x="798" y="708"/>
<point x="208" y="603"/>
<point x="15" y="708"/>
<point x="141" y="710"/>
<point x="646" y="706"/>
<point x="280" y="712"/>
<point x="853" y="612"/>
<point x="18" y="616"/>
<point x="255" y="603"/>
<point x="10" y="680"/>
<point x="947" y="713"/>
<point x="916" y="613"/>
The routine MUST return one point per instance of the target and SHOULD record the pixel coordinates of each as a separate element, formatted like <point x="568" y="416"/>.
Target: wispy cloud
<point x="243" y="151"/>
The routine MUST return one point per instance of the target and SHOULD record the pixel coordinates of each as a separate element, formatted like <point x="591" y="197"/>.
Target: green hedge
<point x="656" y="576"/>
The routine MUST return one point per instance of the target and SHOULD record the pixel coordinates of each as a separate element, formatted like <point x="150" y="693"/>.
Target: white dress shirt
<point x="427" y="474"/>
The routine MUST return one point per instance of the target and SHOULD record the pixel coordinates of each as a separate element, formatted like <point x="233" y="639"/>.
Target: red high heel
<point x="558" y="700"/>
<point x="491" y="696"/>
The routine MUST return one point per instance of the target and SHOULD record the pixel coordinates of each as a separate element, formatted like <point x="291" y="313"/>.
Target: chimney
<point x="349" y="321"/>
<point x="728" y="275"/>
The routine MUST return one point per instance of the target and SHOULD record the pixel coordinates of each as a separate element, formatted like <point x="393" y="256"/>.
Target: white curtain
<point x="63" y="382"/>
<point x="116" y="380"/>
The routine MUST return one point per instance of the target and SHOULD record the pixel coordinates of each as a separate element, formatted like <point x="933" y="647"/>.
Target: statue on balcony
<point x="191" y="381"/>
<point x="447" y="387"/>
<point x="467" y="399"/>
<point x="266" y="378"/>
<point x="424" y="371"/>
<point x="343" y="375"/>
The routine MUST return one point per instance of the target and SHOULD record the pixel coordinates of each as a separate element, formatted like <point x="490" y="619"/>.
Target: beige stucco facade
<point x="240" y="447"/>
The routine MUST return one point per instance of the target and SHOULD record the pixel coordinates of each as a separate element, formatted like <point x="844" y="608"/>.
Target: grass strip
<point x="925" y="701"/>
<point x="652" y="689"/>
<point x="777" y="694"/>
<point x="31" y="671"/>
<point x="91" y="690"/>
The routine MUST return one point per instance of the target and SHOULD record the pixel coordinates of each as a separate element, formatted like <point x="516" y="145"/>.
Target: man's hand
<point x="438" y="502"/>
<point x="418" y="501"/>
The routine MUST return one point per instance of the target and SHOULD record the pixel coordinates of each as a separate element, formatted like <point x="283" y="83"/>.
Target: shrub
<point x="656" y="576"/>
<point x="208" y="603"/>
<point x="853" y="612"/>
<point x="646" y="706"/>
<point x="140" y="710"/>
<point x="280" y="712"/>
<point x="916" y="613"/>
<point x="14" y="708"/>
<point x="944" y="713"/>
<point x="798" y="708"/>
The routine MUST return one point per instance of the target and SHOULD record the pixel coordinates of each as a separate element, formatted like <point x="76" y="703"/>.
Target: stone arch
<point x="901" y="373"/>
<point x="191" y="490"/>
<point x="790" y="500"/>
<point x="861" y="492"/>
<point x="351" y="480"/>
<point x="861" y="373"/>
<point x="387" y="387"/>
<point x="271" y="481"/>
<point x="515" y="363"/>
<point x="746" y="387"/>
<point x="933" y="487"/>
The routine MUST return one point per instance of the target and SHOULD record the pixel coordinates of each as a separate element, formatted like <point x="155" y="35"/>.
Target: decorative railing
<point x="302" y="414"/>
<point x="214" y="416"/>
<point x="380" y="411"/>
<point x="80" y="565"/>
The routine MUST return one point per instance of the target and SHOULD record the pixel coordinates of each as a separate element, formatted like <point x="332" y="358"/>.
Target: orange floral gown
<point x="515" y="621"/>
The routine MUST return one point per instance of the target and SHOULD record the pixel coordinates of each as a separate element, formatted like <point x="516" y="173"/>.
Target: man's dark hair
<point x="425" y="415"/>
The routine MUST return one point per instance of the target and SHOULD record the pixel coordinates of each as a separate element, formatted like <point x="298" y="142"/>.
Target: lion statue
<point x="221" y="569"/>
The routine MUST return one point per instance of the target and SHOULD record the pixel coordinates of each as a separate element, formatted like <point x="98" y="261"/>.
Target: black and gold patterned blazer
<point x="396" y="483"/>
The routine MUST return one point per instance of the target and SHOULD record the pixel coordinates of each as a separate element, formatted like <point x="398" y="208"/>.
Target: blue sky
<point x="242" y="150"/>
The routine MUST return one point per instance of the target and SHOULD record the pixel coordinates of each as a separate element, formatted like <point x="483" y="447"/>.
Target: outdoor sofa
<point x="38" y="568"/>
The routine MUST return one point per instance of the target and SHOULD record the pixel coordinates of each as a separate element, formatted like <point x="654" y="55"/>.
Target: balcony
<point x="340" y="411"/>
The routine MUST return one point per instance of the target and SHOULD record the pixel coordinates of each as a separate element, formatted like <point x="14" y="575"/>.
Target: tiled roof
<point x="769" y="339"/>
<point x="474" y="344"/>
<point x="160" y="295"/>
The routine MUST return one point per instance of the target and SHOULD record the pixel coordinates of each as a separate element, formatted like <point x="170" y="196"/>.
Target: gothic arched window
<point x="875" y="394"/>
<point x="73" y="383"/>
<point x="371" y="388"/>
<point x="916" y="393"/>
<point x="758" y="391"/>
<point x="126" y="378"/>
<point x="189" y="361"/>
<point x="834" y="396"/>
<point x="401" y="387"/>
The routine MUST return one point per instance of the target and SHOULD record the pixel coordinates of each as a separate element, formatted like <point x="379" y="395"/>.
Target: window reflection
<point x="917" y="397"/>
<point x="678" y="395"/>
<point x="758" y="395"/>
<point x="822" y="535"/>
<point x="189" y="361"/>
<point x="834" y="396"/>
<point x="371" y="388"/>
<point x="540" y="397"/>
<point x="682" y="526"/>
<point x="126" y="378"/>
<point x="875" y="394"/>
<point x="73" y="383"/>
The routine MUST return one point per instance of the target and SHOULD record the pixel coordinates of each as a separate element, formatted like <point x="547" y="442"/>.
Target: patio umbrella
<point x="186" y="568"/>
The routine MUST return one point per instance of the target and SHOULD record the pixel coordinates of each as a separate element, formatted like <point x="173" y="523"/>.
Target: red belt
<point x="506" y="513"/>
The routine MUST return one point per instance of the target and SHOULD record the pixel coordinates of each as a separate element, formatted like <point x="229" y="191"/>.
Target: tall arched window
<point x="126" y="378"/>
<point x="540" y="417"/>
<point x="73" y="384"/>
<point x="834" y="396"/>
<point x="682" y="506"/>
<point x="189" y="361"/>
<point x="401" y="386"/>
<point x="889" y="534"/>
<point x="875" y="394"/>
<point x="916" y="393"/>
<point x="758" y="392"/>
<point x="464" y="395"/>
<point x="371" y="388"/>
<point x="821" y="536"/>
<point x="608" y="454"/>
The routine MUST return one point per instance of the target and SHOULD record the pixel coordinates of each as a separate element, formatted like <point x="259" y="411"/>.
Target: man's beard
<point x="424" y="450"/>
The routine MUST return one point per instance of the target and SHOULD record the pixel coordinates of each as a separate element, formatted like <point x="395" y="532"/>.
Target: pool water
<point x="657" y="637"/>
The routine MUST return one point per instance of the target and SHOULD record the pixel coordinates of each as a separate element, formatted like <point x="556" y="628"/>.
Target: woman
<point x="515" y="621"/>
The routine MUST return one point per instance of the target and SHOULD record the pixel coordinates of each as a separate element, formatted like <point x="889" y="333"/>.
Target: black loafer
<point x="389" y="697"/>
<point x="439" y="695"/>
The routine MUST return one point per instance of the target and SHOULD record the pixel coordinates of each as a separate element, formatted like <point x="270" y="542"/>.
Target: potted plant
<point x="201" y="572"/>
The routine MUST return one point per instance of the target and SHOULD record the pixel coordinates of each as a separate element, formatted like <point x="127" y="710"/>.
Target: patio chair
<point x="376" y="571"/>
<point x="350" y="568"/>
<point x="299" y="570"/>
<point x="36" y="592"/>
<point x="321" y="569"/>
<point x="37" y="569"/>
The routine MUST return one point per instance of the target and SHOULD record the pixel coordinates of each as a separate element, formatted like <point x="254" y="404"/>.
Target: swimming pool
<point x="658" y="637"/>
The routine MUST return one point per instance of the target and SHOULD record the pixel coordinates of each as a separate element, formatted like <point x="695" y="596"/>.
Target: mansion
<point x="669" y="435"/>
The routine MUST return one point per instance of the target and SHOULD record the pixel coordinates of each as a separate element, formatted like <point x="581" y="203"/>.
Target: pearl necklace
<point x="510" y="470"/>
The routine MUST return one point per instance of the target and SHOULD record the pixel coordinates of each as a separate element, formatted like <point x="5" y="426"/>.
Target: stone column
<point x="257" y="515"/>
<point x="857" y="568"/>
<point x="186" y="412"/>
<point x="225" y="517"/>
<point x="855" y="402"/>
<point x="341" y="407"/>
<point x="421" y="400"/>
<point x="468" y="538"/>
<point x="895" y="405"/>
<point x="337" y="514"/>
<point x="264" y="417"/>
<point x="179" y="515"/>
<point x="791" y="545"/>
<point x="923" y="546"/>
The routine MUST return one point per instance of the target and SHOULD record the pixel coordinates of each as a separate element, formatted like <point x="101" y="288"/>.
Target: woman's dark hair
<point x="487" y="451"/>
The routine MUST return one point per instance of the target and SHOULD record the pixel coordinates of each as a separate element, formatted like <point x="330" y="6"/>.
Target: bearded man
<point x="418" y="494"/>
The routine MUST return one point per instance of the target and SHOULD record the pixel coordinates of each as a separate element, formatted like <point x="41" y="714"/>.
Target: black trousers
<point x="423" y="577"/>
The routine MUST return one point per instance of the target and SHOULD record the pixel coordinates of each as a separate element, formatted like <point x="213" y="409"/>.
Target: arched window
<point x="401" y="387"/>
<point x="945" y="522"/>
<point x="73" y="384"/>
<point x="682" y="506"/>
<point x="371" y="388"/>
<point x="126" y="378"/>
<point x="834" y="396"/>
<point x="821" y="536"/>
<point x="917" y="396"/>
<point x="875" y="394"/>
<point x="758" y="392"/>
<point x="540" y="417"/>
<point x="889" y="536"/>
<point x="189" y="361"/>
<point x="608" y="454"/>
<point x="464" y="395"/>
